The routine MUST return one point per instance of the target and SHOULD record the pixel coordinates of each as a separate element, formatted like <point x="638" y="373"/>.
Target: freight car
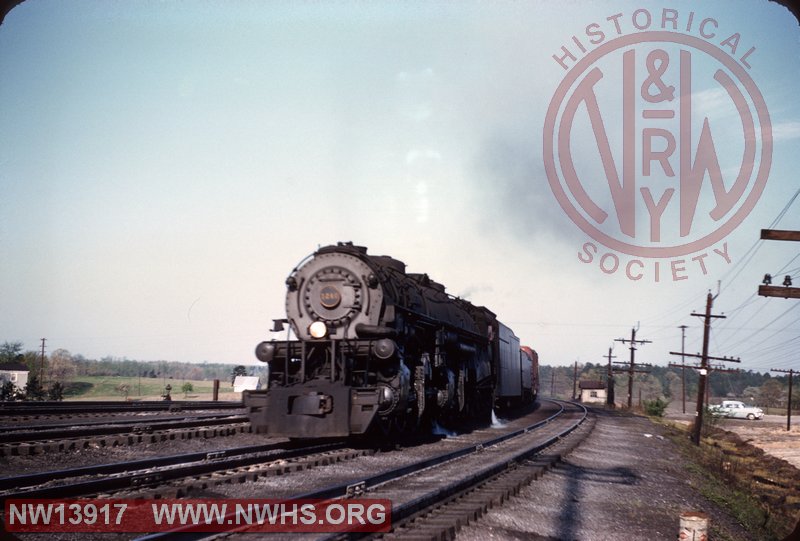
<point x="377" y="349"/>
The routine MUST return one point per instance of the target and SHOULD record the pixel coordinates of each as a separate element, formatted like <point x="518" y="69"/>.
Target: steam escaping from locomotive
<point x="496" y="422"/>
<point x="378" y="349"/>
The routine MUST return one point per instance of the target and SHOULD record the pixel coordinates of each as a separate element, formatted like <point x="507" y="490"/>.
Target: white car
<point x="736" y="410"/>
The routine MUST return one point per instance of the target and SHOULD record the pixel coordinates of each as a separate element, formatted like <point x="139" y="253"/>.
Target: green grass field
<point x="112" y="388"/>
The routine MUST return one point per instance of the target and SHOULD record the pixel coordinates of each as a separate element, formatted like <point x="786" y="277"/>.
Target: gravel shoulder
<point x="626" y="481"/>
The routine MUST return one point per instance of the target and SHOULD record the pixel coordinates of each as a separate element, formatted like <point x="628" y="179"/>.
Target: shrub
<point x="7" y="391"/>
<point x="56" y="392"/>
<point x="34" y="390"/>
<point x="655" y="407"/>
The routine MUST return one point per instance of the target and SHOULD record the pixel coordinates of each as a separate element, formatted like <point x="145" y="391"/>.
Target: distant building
<point x="16" y="373"/>
<point x="592" y="392"/>
<point x="246" y="383"/>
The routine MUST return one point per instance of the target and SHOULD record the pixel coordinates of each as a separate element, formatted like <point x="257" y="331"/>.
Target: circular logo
<point x="329" y="297"/>
<point x="657" y="144"/>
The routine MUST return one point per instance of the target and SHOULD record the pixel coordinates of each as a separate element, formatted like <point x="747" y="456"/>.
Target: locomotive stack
<point x="379" y="349"/>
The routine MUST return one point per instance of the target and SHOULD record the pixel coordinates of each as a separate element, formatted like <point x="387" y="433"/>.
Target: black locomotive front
<point x="375" y="348"/>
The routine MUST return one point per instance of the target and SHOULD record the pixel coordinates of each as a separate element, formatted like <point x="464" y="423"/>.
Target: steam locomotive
<point x="381" y="350"/>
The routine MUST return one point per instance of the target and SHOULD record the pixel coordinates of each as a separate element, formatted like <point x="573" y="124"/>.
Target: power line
<point x="747" y="302"/>
<point x="768" y="290"/>
<point x="785" y="209"/>
<point x="675" y="309"/>
<point x="749" y="337"/>
<point x="748" y="320"/>
<point x="737" y="268"/>
<point x="774" y="353"/>
<point x="766" y="327"/>
<point x="753" y="250"/>
<point x="782" y="269"/>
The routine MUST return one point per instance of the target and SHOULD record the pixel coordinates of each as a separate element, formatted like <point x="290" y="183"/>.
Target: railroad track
<point x="175" y="475"/>
<point x="433" y="497"/>
<point x="441" y="512"/>
<point x="38" y="409"/>
<point x="15" y="441"/>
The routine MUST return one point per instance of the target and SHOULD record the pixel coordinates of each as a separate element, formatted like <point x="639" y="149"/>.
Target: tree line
<point x="666" y="383"/>
<point x="660" y="382"/>
<point x="48" y="375"/>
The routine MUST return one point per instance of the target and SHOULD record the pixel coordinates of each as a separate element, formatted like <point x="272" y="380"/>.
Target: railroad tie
<point x="27" y="449"/>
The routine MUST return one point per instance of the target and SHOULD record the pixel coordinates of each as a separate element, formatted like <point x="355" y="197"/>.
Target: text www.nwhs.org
<point x="258" y="515"/>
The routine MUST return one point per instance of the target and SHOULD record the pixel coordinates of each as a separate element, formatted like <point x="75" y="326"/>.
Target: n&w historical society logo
<point x="657" y="142"/>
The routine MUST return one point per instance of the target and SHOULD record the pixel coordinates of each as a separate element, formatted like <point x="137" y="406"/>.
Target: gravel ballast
<point x="626" y="481"/>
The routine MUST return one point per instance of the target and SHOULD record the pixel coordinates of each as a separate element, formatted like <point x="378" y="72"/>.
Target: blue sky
<point x="164" y="165"/>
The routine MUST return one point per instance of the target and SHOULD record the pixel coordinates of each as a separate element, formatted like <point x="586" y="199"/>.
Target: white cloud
<point x="417" y="93"/>
<point x="786" y="130"/>
<point x="415" y="155"/>
<point x="404" y="76"/>
<point x="711" y="102"/>
<point x="421" y="113"/>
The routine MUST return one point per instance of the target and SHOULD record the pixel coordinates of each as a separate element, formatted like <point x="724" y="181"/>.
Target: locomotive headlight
<point x="318" y="329"/>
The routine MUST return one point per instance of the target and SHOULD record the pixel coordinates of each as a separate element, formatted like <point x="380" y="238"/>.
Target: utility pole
<point x="553" y="382"/>
<point x="683" y="368"/>
<point x="768" y="290"/>
<point x="575" y="382"/>
<point x="791" y="373"/>
<point x="610" y="382"/>
<point x="704" y="367"/>
<point x="41" y="364"/>
<point x="698" y="422"/>
<point x="632" y="366"/>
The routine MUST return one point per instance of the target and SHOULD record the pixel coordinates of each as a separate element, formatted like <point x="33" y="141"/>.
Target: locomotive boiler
<point x="378" y="349"/>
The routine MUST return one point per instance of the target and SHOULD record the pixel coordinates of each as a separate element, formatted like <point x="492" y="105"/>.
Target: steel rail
<point x="43" y="432"/>
<point x="50" y="407"/>
<point x="19" y="425"/>
<point x="29" y="486"/>
<point x="343" y="490"/>
<point x="406" y="510"/>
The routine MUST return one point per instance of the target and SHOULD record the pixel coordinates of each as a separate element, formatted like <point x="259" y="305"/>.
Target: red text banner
<point x="198" y="515"/>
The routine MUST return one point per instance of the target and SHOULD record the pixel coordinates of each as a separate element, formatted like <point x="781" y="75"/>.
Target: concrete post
<point x="693" y="527"/>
